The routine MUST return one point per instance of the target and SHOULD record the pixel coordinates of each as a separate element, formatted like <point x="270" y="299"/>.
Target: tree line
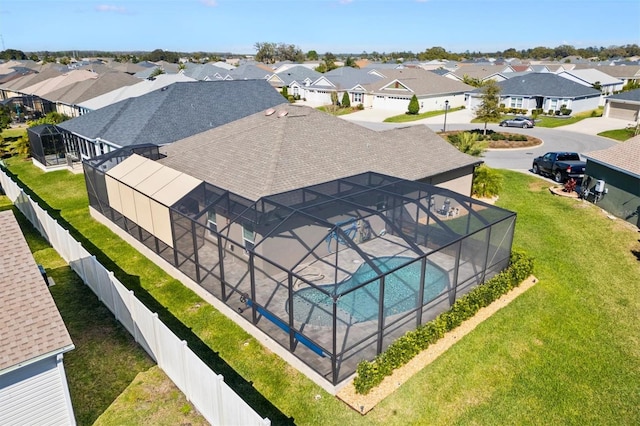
<point x="269" y="52"/>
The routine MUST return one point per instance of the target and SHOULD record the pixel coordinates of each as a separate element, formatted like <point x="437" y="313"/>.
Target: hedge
<point x="371" y="373"/>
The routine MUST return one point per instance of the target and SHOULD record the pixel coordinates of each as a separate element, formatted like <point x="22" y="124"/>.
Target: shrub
<point x="570" y="185"/>
<point x="346" y="102"/>
<point x="285" y="92"/>
<point x="360" y="107"/>
<point x="487" y="182"/>
<point x="371" y="373"/>
<point x="566" y="111"/>
<point x="414" y="106"/>
<point x="550" y="112"/>
<point x="469" y="143"/>
<point x="291" y="98"/>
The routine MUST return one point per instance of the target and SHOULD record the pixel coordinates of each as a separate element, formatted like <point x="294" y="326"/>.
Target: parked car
<point x="524" y="122"/>
<point x="560" y="165"/>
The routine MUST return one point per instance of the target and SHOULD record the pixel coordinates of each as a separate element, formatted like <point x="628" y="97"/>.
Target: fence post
<point x="185" y="370"/>
<point x="134" y="319"/>
<point x="155" y="347"/>
<point x="218" y="410"/>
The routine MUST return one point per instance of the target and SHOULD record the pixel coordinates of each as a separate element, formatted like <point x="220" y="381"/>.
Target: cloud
<point x="110" y="8"/>
<point x="209" y="3"/>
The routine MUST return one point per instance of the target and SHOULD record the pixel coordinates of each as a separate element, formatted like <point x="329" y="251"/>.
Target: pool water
<point x="312" y="306"/>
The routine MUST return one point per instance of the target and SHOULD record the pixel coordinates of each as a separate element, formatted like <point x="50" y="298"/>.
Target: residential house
<point x="295" y="78"/>
<point x="68" y="98"/>
<point x="479" y="72"/>
<point x="278" y="216"/>
<point x="625" y="106"/>
<point x="165" y="115"/>
<point x="542" y="90"/>
<point x="340" y="80"/>
<point x="626" y="73"/>
<point x="595" y="78"/>
<point x="207" y="72"/>
<point x="394" y="92"/>
<point x="619" y="168"/>
<point x="33" y="341"/>
<point x="126" y="92"/>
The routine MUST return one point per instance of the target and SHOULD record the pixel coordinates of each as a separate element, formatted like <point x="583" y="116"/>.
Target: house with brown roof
<point x="619" y="168"/>
<point x="323" y="239"/>
<point x="395" y="90"/>
<point x="33" y="339"/>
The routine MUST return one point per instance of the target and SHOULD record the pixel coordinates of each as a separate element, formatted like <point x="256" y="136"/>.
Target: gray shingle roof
<point x="174" y="112"/>
<point x="632" y="95"/>
<point x="249" y="72"/>
<point x="345" y="78"/>
<point x="262" y="155"/>
<point x="625" y="156"/>
<point x="31" y="323"/>
<point x="544" y="84"/>
<point x="298" y="73"/>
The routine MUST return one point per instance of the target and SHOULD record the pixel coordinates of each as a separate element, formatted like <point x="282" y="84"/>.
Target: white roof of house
<point x="591" y="76"/>
<point x="133" y="91"/>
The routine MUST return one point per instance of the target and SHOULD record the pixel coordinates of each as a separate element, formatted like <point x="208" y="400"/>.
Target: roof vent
<point x="269" y="112"/>
<point x="164" y="88"/>
<point x="282" y="113"/>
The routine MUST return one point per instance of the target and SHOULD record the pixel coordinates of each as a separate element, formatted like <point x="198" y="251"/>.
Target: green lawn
<point x="565" y="352"/>
<point x="618" y="134"/>
<point x="14" y="132"/>
<point x="551" y="121"/>
<point x="106" y="362"/>
<point x="405" y="118"/>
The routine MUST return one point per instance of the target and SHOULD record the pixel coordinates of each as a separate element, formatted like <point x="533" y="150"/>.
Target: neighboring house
<point x="295" y="78"/>
<point x="542" y="90"/>
<point x="207" y="72"/>
<point x="592" y="77"/>
<point x="619" y="167"/>
<point x="340" y="80"/>
<point x="300" y="225"/>
<point x="479" y="72"/>
<point x="626" y="73"/>
<point x="165" y="115"/>
<point x="251" y="71"/>
<point x="68" y="98"/>
<point x="394" y="92"/>
<point x="33" y="341"/>
<point x="625" y="106"/>
<point x="14" y="88"/>
<point x="141" y="88"/>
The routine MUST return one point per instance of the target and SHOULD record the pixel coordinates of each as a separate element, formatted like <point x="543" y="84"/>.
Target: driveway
<point x="580" y="137"/>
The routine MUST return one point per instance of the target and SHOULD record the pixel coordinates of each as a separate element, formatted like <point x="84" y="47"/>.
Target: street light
<point x="446" y="107"/>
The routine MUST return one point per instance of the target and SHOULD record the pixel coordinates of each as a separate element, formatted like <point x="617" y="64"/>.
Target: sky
<point x="336" y="26"/>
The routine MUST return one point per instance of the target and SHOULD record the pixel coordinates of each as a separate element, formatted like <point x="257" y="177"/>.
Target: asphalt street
<point x="519" y="159"/>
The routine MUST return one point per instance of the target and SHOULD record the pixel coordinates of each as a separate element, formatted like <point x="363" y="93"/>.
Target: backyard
<point x="565" y="352"/>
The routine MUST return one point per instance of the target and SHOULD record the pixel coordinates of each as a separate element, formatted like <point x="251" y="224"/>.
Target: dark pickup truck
<point x="560" y="165"/>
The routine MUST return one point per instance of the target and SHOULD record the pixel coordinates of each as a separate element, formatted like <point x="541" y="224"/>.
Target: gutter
<point x="46" y="355"/>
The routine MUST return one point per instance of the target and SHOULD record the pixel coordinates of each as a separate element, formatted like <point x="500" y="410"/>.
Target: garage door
<point x="623" y="111"/>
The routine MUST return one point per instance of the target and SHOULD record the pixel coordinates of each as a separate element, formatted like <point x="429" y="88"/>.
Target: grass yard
<point x="406" y="118"/>
<point x="618" y="134"/>
<point x="565" y="352"/>
<point x="551" y="121"/>
<point x="106" y="363"/>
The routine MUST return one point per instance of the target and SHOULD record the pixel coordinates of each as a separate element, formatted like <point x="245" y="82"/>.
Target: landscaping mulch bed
<point x="504" y="144"/>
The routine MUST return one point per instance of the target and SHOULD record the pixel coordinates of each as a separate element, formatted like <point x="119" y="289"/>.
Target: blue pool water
<point x="312" y="306"/>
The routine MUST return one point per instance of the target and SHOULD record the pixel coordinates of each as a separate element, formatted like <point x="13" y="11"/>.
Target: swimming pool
<point x="312" y="306"/>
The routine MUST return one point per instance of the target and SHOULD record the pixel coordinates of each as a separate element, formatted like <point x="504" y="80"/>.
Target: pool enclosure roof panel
<point x="158" y="182"/>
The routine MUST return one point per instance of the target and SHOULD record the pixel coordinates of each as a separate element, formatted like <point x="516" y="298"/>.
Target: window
<point x="357" y="97"/>
<point x="516" y="103"/>
<point x="249" y="238"/>
<point x="211" y="222"/>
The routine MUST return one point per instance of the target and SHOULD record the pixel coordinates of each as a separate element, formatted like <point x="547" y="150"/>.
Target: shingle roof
<point x="31" y="79"/>
<point x="47" y="86"/>
<point x="249" y="72"/>
<point x="419" y="81"/>
<point x="625" y="156"/>
<point x="624" y="71"/>
<point x="544" y="84"/>
<point x="632" y="95"/>
<point x="591" y="76"/>
<point x="298" y="73"/>
<point x="263" y="154"/>
<point x="141" y="88"/>
<point x="91" y="88"/>
<point x="345" y="78"/>
<point x="174" y="112"/>
<point x="31" y="323"/>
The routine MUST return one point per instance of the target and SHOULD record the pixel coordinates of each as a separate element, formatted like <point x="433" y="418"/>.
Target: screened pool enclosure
<point x="333" y="272"/>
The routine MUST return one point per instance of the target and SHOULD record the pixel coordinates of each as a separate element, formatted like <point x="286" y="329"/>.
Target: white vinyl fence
<point x="206" y="390"/>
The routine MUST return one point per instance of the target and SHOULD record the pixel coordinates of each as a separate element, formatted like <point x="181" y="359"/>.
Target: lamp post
<point x="446" y="108"/>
